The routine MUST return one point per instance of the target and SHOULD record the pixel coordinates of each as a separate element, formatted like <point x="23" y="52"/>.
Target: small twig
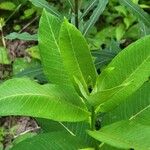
<point x="28" y="24"/>
<point x="92" y="118"/>
<point x="13" y="13"/>
<point x="27" y="131"/>
<point x="3" y="38"/>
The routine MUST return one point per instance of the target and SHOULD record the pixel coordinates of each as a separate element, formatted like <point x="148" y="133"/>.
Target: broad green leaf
<point x="4" y="56"/>
<point x="89" y="148"/>
<point x="102" y="96"/>
<point x="137" y="11"/>
<point x="125" y="135"/>
<point x="50" y="51"/>
<point x="77" y="129"/>
<point x="131" y="106"/>
<point x="90" y="6"/>
<point x="108" y="147"/>
<point x="7" y="5"/>
<point x="51" y="141"/>
<point x="76" y="55"/>
<point x="48" y="125"/>
<point x="28" y="98"/>
<point x="22" y="137"/>
<point x="44" y="4"/>
<point x="134" y="132"/>
<point x="22" y="36"/>
<point x="142" y="117"/>
<point x="120" y="71"/>
<point x="95" y="16"/>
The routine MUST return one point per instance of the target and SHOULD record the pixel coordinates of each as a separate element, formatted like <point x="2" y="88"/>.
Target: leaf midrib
<point x="70" y="37"/>
<point x="139" y="112"/>
<point x="111" y="136"/>
<point x="50" y="27"/>
<point x="42" y="95"/>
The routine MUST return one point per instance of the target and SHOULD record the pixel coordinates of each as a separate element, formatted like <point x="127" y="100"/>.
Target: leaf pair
<point x="134" y="132"/>
<point x="123" y="76"/>
<point x="65" y="53"/>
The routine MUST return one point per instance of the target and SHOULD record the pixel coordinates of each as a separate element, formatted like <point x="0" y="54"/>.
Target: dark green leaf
<point x="95" y="16"/>
<point x="137" y="11"/>
<point x="44" y="4"/>
<point x="51" y="141"/>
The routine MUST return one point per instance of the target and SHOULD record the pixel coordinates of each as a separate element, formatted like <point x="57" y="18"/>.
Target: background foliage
<point x="87" y="87"/>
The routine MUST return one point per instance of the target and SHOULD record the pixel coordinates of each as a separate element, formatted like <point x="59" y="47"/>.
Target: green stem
<point x="92" y="118"/>
<point x="3" y="39"/>
<point x="76" y="2"/>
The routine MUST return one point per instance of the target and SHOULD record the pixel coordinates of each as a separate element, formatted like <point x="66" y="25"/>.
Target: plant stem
<point x="3" y="39"/>
<point x="92" y="118"/>
<point x="76" y="2"/>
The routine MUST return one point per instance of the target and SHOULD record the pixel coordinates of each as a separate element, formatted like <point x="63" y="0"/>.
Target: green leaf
<point x="133" y="133"/>
<point x="76" y="55"/>
<point x="136" y="108"/>
<point x="95" y="16"/>
<point x="108" y="147"/>
<point x="52" y="141"/>
<point x="120" y="71"/>
<point x="7" y="6"/>
<point x="124" y="135"/>
<point x="22" y="137"/>
<point x="22" y="36"/>
<point x="137" y="11"/>
<point x="145" y="30"/>
<point x="50" y="51"/>
<point x="90" y="6"/>
<point x="44" y="4"/>
<point x="77" y="129"/>
<point x="100" y="97"/>
<point x="70" y="2"/>
<point x="142" y="117"/>
<point x="131" y="106"/>
<point x="4" y="56"/>
<point x="28" y="98"/>
<point x="33" y="52"/>
<point x="120" y="31"/>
